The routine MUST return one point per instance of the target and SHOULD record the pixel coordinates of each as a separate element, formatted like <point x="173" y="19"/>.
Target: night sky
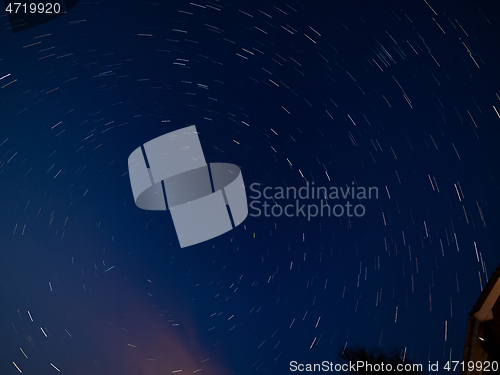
<point x="399" y="95"/>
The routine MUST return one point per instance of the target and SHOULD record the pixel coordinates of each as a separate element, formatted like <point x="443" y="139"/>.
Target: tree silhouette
<point x="377" y="361"/>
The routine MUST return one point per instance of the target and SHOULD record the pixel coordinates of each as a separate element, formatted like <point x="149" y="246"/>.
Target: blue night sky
<point x="403" y="96"/>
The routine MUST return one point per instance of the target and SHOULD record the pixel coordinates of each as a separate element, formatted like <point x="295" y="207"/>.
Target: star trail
<point x="401" y="97"/>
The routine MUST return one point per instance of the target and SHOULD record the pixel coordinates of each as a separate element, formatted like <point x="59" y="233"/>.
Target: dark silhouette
<point x="377" y="361"/>
<point x="491" y="339"/>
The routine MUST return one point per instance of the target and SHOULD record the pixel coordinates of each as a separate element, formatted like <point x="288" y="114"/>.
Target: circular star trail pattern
<point x="402" y="96"/>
